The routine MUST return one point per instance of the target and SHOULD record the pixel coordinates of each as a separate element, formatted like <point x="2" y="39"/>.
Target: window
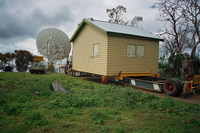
<point x="131" y="50"/>
<point x="96" y="49"/>
<point x="140" y="51"/>
<point x="135" y="51"/>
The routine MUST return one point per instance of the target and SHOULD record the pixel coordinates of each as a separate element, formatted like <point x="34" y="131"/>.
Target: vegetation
<point x="181" y="31"/>
<point x="169" y="67"/>
<point x="22" y="60"/>
<point x="6" y="61"/>
<point x="28" y="104"/>
<point x="116" y="16"/>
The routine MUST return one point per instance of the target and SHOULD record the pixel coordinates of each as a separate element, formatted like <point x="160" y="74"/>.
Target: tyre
<point x="172" y="87"/>
<point x="180" y="84"/>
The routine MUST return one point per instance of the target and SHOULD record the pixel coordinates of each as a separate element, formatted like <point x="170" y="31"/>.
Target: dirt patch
<point x="195" y="98"/>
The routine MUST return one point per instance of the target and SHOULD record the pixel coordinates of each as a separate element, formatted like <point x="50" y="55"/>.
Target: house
<point x="107" y="49"/>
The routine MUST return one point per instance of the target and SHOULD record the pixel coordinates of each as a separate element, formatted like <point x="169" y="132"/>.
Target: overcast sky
<point x="22" y="20"/>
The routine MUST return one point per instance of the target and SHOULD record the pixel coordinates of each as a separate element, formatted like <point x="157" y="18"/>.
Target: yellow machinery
<point x="38" y="58"/>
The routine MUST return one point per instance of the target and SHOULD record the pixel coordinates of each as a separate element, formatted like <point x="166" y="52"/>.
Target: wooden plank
<point x="57" y="86"/>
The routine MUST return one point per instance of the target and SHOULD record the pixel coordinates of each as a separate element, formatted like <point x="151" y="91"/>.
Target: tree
<point x="176" y="28"/>
<point x="136" y="21"/>
<point x="116" y="16"/>
<point x="183" y="32"/>
<point x="23" y="59"/>
<point x="6" y="60"/>
<point x="191" y="11"/>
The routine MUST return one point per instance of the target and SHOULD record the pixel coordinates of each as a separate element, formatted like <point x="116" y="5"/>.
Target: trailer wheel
<point x="180" y="84"/>
<point x="172" y="87"/>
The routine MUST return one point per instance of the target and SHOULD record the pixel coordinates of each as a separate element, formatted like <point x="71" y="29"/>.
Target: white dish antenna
<point x="54" y="44"/>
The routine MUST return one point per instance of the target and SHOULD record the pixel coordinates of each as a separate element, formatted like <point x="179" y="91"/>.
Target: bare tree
<point x="191" y="11"/>
<point x="176" y="27"/>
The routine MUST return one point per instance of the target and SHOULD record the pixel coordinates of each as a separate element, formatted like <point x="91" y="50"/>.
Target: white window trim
<point x="135" y="51"/>
<point x="138" y="52"/>
<point x="130" y="52"/>
<point x="96" y="49"/>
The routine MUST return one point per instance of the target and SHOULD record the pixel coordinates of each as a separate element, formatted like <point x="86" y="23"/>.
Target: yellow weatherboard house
<point x="110" y="49"/>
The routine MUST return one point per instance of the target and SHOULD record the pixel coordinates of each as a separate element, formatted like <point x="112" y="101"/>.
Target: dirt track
<point x="195" y="98"/>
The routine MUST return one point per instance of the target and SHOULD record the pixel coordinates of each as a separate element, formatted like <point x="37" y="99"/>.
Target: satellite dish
<point x="54" y="44"/>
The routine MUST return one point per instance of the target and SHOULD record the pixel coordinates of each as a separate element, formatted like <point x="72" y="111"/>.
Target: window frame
<point x="94" y="50"/>
<point x="128" y="50"/>
<point x="138" y="50"/>
<point x="136" y="55"/>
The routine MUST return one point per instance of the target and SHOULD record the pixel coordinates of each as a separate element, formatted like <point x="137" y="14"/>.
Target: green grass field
<point x="28" y="104"/>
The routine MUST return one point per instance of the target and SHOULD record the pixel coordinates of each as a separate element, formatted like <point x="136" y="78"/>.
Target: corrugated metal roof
<point x="122" y="29"/>
<point x="116" y="28"/>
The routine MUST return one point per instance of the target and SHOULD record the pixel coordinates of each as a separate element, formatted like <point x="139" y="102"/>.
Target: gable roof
<point x="114" y="28"/>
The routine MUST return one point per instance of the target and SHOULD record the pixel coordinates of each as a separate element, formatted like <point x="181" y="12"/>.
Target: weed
<point x="106" y="129"/>
<point x="35" y="119"/>
<point x="88" y="86"/>
<point x="65" y="112"/>
<point x="88" y="107"/>
<point x="5" y="122"/>
<point x="195" y="121"/>
<point x="13" y="108"/>
<point x="120" y="130"/>
<point x="2" y="98"/>
<point x="171" y="106"/>
<point x="58" y="114"/>
<point x="98" y="116"/>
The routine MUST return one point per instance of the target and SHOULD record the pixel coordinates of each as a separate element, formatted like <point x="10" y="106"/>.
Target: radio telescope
<point x="54" y="44"/>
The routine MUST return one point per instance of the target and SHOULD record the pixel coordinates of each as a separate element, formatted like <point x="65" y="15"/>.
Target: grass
<point x="28" y="104"/>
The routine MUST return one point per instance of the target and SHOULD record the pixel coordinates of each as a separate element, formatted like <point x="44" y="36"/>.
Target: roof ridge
<point x="111" y="22"/>
<point x="92" y="19"/>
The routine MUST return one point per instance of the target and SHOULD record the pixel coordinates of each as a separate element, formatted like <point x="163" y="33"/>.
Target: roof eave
<point x="158" y="39"/>
<point x="78" y="30"/>
<point x="81" y="25"/>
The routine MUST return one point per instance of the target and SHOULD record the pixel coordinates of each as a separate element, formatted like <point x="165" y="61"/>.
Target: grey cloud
<point x="18" y="24"/>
